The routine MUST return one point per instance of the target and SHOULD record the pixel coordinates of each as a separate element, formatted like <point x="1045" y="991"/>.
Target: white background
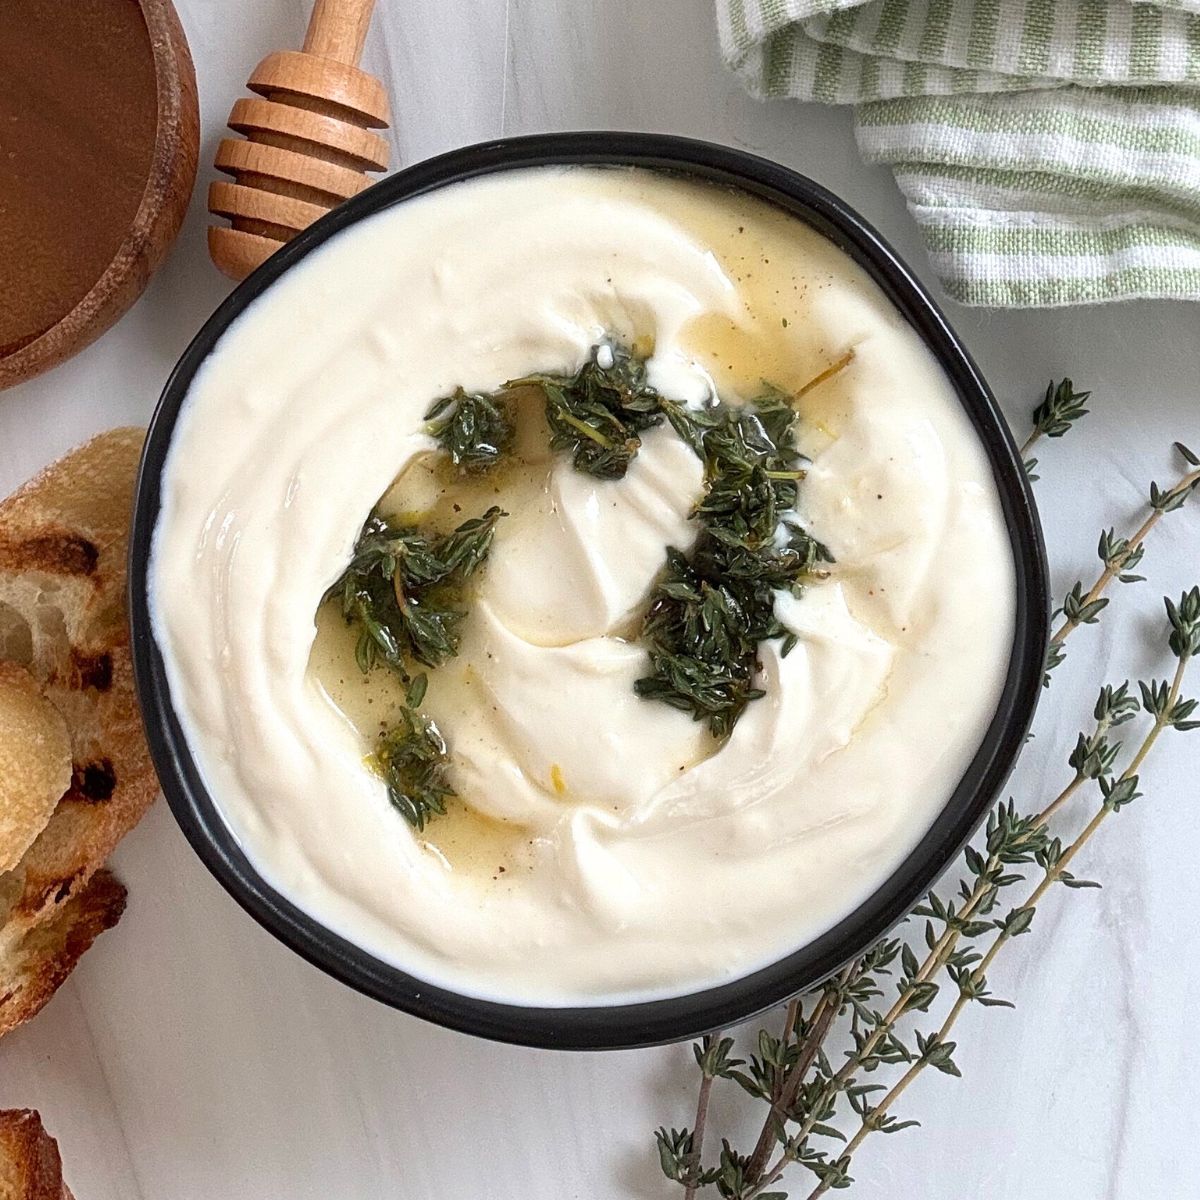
<point x="191" y="1057"/>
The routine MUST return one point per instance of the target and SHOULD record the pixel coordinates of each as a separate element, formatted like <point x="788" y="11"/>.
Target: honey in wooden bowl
<point x="98" y="146"/>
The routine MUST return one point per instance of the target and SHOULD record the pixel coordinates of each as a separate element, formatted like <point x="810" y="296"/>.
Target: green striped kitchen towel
<point x="1049" y="149"/>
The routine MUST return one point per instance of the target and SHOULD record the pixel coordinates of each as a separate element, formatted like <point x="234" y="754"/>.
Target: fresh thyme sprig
<point x="1060" y="408"/>
<point x="715" y="606"/>
<point x="1119" y="556"/>
<point x="793" y="1072"/>
<point x="1162" y="701"/>
<point x="599" y="413"/>
<point x="476" y="431"/>
<point x="403" y="586"/>
<point x="411" y="759"/>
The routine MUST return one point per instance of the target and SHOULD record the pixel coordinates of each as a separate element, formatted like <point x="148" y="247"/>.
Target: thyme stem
<point x="821" y="1018"/>
<point x="1186" y="484"/>
<point x="706" y="1082"/>
<point x="1049" y="811"/>
<point x="587" y="431"/>
<point x="830" y="371"/>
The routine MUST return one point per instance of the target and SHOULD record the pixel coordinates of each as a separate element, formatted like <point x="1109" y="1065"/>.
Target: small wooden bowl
<point x="99" y="119"/>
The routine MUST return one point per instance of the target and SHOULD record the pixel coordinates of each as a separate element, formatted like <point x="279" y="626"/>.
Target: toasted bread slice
<point x="63" y="543"/>
<point x="35" y="960"/>
<point x="35" y="762"/>
<point x="30" y="1167"/>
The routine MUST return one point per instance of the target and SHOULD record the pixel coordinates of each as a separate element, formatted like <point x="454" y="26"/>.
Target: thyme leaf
<point x="476" y="431"/>
<point x="599" y="413"/>
<point x="402" y="589"/>
<point x="411" y="759"/>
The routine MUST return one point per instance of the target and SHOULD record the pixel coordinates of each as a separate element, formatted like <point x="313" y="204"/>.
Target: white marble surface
<point x="192" y="1057"/>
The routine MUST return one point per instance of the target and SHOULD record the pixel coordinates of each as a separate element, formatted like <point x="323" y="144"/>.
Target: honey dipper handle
<point x="338" y="29"/>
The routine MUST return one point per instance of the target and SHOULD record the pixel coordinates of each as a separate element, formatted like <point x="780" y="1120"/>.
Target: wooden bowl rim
<point x="91" y="315"/>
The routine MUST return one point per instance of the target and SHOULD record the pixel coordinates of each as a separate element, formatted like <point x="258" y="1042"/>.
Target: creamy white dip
<point x="602" y="851"/>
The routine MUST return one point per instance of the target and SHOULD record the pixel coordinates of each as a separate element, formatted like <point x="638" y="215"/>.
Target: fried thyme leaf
<point x="403" y="587"/>
<point x="411" y="759"/>
<point x="475" y="430"/>
<point x="713" y="607"/>
<point x="598" y="413"/>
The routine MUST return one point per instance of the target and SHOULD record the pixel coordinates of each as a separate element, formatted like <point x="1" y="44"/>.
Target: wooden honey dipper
<point x="308" y="139"/>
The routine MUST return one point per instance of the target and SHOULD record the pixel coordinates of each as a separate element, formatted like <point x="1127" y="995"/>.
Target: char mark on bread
<point x="90" y="670"/>
<point x="59" y="552"/>
<point x="93" y="783"/>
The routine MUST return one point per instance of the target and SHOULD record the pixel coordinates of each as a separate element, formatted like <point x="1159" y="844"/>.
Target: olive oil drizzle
<point x="404" y="590"/>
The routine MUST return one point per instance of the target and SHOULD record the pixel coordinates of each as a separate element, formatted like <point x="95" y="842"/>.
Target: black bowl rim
<point x="617" y="1026"/>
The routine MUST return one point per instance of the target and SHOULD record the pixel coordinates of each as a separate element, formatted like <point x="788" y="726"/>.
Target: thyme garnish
<point x="712" y="608"/>
<point x="411" y="758"/>
<point x="476" y="431"/>
<point x="954" y="939"/>
<point x="598" y="413"/>
<point x="402" y="589"/>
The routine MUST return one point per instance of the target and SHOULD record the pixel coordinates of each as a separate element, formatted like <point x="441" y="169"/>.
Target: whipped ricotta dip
<point x="603" y="847"/>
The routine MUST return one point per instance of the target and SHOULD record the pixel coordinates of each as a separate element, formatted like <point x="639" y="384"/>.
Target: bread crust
<point x="30" y="1166"/>
<point x="35" y="960"/>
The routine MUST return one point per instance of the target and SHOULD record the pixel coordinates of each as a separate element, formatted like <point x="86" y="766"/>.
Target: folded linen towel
<point x="1049" y="149"/>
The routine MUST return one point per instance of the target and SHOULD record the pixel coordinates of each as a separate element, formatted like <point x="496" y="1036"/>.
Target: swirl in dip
<point x="604" y="847"/>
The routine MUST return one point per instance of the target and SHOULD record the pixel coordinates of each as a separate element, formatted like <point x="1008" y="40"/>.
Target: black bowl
<point x="655" y="1021"/>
